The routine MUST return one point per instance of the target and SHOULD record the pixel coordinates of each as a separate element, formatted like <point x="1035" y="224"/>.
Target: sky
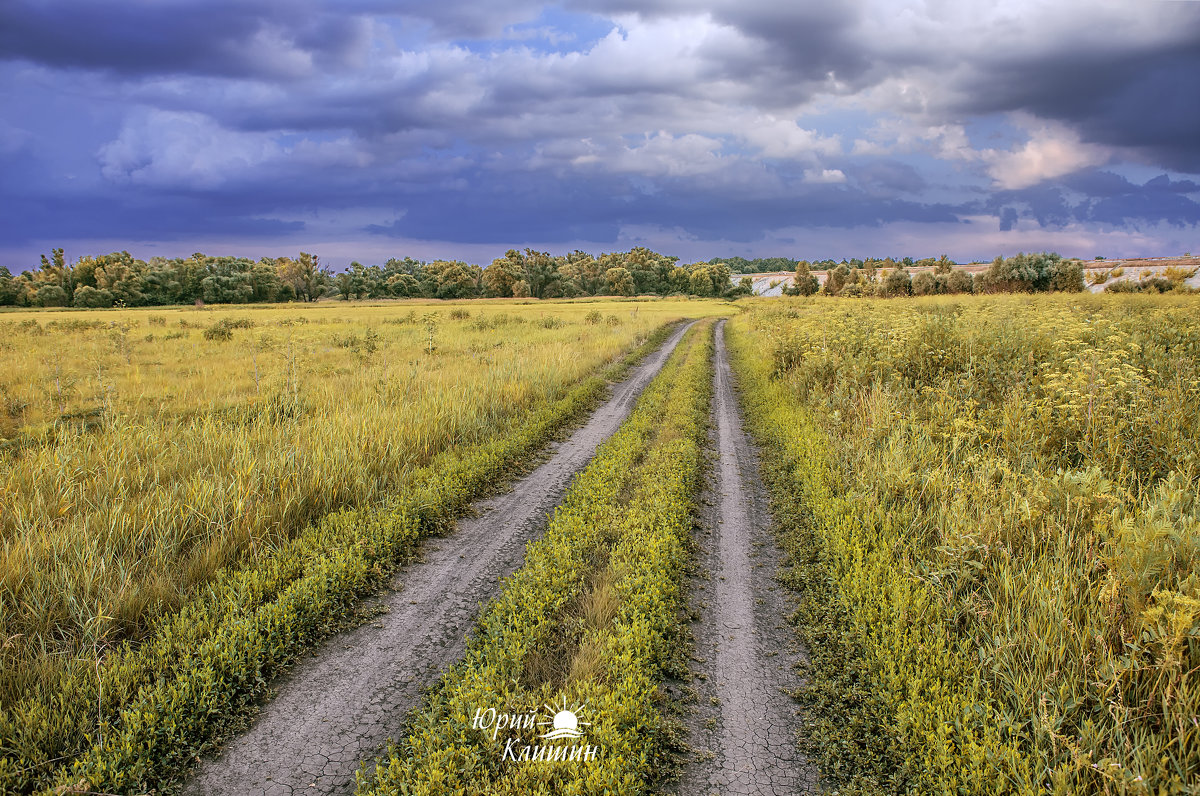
<point x="366" y="129"/>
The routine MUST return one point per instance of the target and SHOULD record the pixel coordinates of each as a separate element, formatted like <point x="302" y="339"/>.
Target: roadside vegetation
<point x="189" y="498"/>
<point x="586" y="623"/>
<point x="1046" y="272"/>
<point x="990" y="508"/>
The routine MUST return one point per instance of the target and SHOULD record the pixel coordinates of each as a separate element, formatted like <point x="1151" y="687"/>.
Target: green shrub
<point x="88" y="296"/>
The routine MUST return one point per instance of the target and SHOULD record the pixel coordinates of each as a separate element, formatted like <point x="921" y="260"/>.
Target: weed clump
<point x="223" y="329"/>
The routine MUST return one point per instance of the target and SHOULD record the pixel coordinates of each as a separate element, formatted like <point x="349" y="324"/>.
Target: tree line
<point x="118" y="279"/>
<point x="1023" y="273"/>
<point x="764" y="265"/>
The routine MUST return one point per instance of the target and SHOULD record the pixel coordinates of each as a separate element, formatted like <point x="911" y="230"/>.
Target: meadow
<point x="987" y="503"/>
<point x="990" y="507"/>
<point x="149" y="455"/>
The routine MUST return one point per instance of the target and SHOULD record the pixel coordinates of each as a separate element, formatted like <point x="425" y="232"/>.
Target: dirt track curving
<point x="341" y="705"/>
<point x="744" y="724"/>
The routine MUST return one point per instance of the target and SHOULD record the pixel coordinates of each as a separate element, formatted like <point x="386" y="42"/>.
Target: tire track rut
<point x="745" y="724"/>
<point x="341" y="705"/>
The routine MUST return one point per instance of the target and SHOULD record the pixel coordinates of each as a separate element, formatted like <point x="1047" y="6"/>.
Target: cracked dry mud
<point x="341" y="705"/>
<point x="743" y="727"/>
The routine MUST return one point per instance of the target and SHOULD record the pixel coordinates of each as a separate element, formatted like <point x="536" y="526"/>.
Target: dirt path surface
<point x="340" y="706"/>
<point x="744" y="725"/>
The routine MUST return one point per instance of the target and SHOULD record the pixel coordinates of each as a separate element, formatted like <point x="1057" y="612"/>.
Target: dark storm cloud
<point x="160" y="218"/>
<point x="1146" y="99"/>
<point x="252" y="38"/>
<point x="597" y="208"/>
<point x="1111" y="200"/>
<point x="233" y="116"/>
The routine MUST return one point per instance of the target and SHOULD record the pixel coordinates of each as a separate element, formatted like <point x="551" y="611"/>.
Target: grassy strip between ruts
<point x="583" y="626"/>
<point x="144" y="715"/>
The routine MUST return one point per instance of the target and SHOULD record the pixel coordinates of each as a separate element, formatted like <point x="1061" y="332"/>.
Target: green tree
<point x="502" y="275"/>
<point x="88" y="296"/>
<point x="1066" y="276"/>
<point x="541" y="273"/>
<point x="1024" y="273"/>
<point x="701" y="282"/>
<point x="678" y="280"/>
<point x="582" y="274"/>
<point x="960" y="281"/>
<point x="804" y="283"/>
<point x="619" y="281"/>
<point x="924" y="284"/>
<point x="836" y="279"/>
<point x="897" y="283"/>
<point x="10" y="289"/>
<point x="304" y="276"/>
<point x="452" y="279"/>
<point x="52" y="296"/>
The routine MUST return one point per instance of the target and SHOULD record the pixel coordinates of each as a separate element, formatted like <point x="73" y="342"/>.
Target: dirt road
<point x="744" y="725"/>
<point x="340" y="706"/>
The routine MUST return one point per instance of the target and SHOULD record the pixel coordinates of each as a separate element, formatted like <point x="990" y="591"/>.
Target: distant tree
<point x="52" y="296"/>
<point x="924" y="284"/>
<point x="582" y="274"/>
<point x="1026" y="273"/>
<point x="701" y="282"/>
<point x="678" y="280"/>
<point x="55" y="271"/>
<point x="959" y="281"/>
<point x="1066" y="276"/>
<point x="541" y="273"/>
<point x="650" y="271"/>
<point x="720" y="277"/>
<point x="304" y="276"/>
<point x="504" y="272"/>
<point x="835" y="279"/>
<point x="804" y="284"/>
<point x="10" y="289"/>
<point x="897" y="283"/>
<point x="619" y="281"/>
<point x="452" y="279"/>
<point x="88" y="296"/>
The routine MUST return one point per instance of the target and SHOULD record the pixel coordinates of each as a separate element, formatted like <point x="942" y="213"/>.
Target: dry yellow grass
<point x="144" y="450"/>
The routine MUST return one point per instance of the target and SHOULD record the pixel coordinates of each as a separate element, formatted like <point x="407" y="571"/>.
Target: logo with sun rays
<point x="564" y="723"/>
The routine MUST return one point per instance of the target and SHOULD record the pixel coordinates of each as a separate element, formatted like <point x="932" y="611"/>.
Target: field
<point x="145" y="452"/>
<point x="991" y="508"/>
<point x="962" y="533"/>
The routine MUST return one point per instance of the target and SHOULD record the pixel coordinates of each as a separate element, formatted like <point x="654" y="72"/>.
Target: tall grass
<point x="141" y="455"/>
<point x="1002" y="492"/>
